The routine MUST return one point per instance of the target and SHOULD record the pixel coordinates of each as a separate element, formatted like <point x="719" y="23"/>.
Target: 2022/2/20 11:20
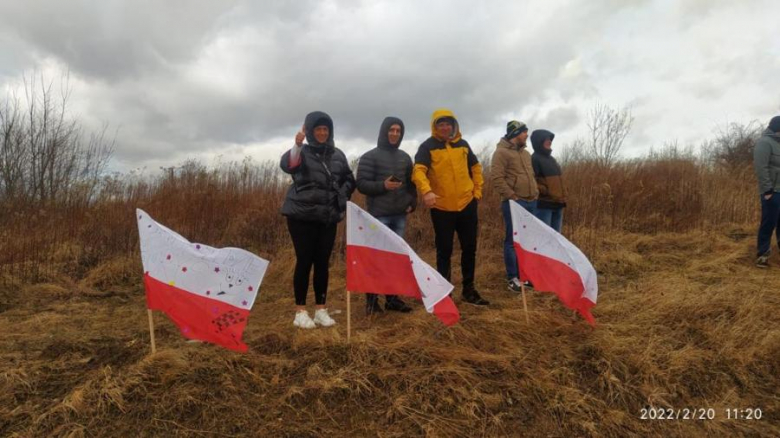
<point x="653" y="413"/>
<point x="744" y="414"/>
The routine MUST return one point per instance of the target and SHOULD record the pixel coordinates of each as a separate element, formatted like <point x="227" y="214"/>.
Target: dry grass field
<point x="684" y="321"/>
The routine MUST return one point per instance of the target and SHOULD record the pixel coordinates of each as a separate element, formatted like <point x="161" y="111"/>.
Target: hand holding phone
<point x="392" y="183"/>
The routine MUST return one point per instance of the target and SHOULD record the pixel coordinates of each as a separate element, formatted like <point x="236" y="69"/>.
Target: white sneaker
<point x="322" y="318"/>
<point x="303" y="320"/>
<point x="514" y="285"/>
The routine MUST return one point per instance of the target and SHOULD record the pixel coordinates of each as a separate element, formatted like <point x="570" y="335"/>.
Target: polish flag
<point x="552" y="263"/>
<point x="206" y="291"/>
<point x="381" y="262"/>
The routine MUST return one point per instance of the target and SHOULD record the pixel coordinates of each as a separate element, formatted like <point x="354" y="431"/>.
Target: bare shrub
<point x="608" y="128"/>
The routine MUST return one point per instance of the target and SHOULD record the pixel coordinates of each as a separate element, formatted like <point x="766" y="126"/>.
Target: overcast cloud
<point x="202" y="79"/>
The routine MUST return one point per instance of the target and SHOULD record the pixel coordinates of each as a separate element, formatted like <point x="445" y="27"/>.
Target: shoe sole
<point x="475" y="304"/>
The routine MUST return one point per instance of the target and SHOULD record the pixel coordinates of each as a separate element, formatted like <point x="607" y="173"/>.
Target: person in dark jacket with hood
<point x="766" y="161"/>
<point x="549" y="179"/>
<point x="384" y="175"/>
<point x="315" y="203"/>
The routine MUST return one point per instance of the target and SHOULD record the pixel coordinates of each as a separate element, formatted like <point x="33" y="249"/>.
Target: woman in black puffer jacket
<point x="315" y="203"/>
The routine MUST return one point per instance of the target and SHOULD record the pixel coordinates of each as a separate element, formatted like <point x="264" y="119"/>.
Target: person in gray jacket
<point x="384" y="175"/>
<point x="766" y="160"/>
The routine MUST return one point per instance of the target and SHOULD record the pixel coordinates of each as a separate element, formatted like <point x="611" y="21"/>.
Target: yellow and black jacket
<point x="448" y="168"/>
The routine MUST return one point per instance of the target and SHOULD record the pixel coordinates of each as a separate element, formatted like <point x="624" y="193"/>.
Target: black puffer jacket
<point x="322" y="182"/>
<point x="376" y="165"/>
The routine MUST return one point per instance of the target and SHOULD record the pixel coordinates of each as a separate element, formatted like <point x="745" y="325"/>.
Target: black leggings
<point x="313" y="242"/>
<point x="445" y="225"/>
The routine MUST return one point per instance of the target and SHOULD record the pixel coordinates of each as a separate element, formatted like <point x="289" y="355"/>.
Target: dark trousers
<point x="313" y="242"/>
<point x="770" y="223"/>
<point x="466" y="224"/>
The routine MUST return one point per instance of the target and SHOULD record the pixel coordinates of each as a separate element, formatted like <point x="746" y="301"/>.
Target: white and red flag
<point x="552" y="263"/>
<point x="206" y="291"/>
<point x="381" y="262"/>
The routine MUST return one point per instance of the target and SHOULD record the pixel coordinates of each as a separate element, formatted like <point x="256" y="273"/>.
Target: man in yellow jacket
<point x="449" y="176"/>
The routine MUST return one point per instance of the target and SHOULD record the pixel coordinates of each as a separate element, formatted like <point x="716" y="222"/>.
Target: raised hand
<point x="300" y="136"/>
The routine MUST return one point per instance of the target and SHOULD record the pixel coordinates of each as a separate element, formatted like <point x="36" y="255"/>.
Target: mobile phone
<point x="394" y="179"/>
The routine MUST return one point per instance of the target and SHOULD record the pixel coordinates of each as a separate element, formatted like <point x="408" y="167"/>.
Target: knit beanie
<point x="515" y="128"/>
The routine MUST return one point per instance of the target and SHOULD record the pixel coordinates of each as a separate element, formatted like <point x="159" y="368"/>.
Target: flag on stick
<point x="552" y="263"/>
<point x="381" y="262"/>
<point x="206" y="291"/>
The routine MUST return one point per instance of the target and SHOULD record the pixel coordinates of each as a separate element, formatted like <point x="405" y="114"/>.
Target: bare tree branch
<point x="608" y="130"/>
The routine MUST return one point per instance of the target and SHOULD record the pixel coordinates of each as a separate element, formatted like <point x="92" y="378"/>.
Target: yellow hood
<point x="441" y="113"/>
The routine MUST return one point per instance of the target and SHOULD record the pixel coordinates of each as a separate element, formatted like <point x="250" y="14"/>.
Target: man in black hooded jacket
<point x="384" y="175"/>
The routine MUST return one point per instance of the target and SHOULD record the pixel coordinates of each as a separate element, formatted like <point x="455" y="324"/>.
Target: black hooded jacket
<point x="549" y="177"/>
<point x="376" y="165"/>
<point x="322" y="182"/>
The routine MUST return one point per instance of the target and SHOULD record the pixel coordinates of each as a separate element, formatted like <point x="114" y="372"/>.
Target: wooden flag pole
<point x="349" y="317"/>
<point x="525" y="304"/>
<point x="151" y="330"/>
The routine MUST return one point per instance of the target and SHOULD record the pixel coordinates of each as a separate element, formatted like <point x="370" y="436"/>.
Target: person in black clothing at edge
<point x="384" y="175"/>
<point x="766" y="162"/>
<point x="315" y="203"/>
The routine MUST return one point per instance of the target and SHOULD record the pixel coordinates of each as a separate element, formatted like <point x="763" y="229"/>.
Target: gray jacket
<point x="376" y="165"/>
<point x="766" y="161"/>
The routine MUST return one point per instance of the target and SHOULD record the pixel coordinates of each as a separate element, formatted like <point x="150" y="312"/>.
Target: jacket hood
<point x="318" y="118"/>
<point x="445" y="113"/>
<point x="383" y="142"/>
<point x="771" y="134"/>
<point x="774" y="124"/>
<point x="537" y="140"/>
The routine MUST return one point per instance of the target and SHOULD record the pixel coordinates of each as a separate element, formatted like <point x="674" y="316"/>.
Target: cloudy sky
<point x="208" y="79"/>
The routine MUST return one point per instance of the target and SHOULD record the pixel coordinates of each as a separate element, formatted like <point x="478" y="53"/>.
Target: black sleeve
<point x="537" y="166"/>
<point x="366" y="176"/>
<point x="472" y="158"/>
<point x="348" y="179"/>
<point x="423" y="155"/>
<point x="410" y="187"/>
